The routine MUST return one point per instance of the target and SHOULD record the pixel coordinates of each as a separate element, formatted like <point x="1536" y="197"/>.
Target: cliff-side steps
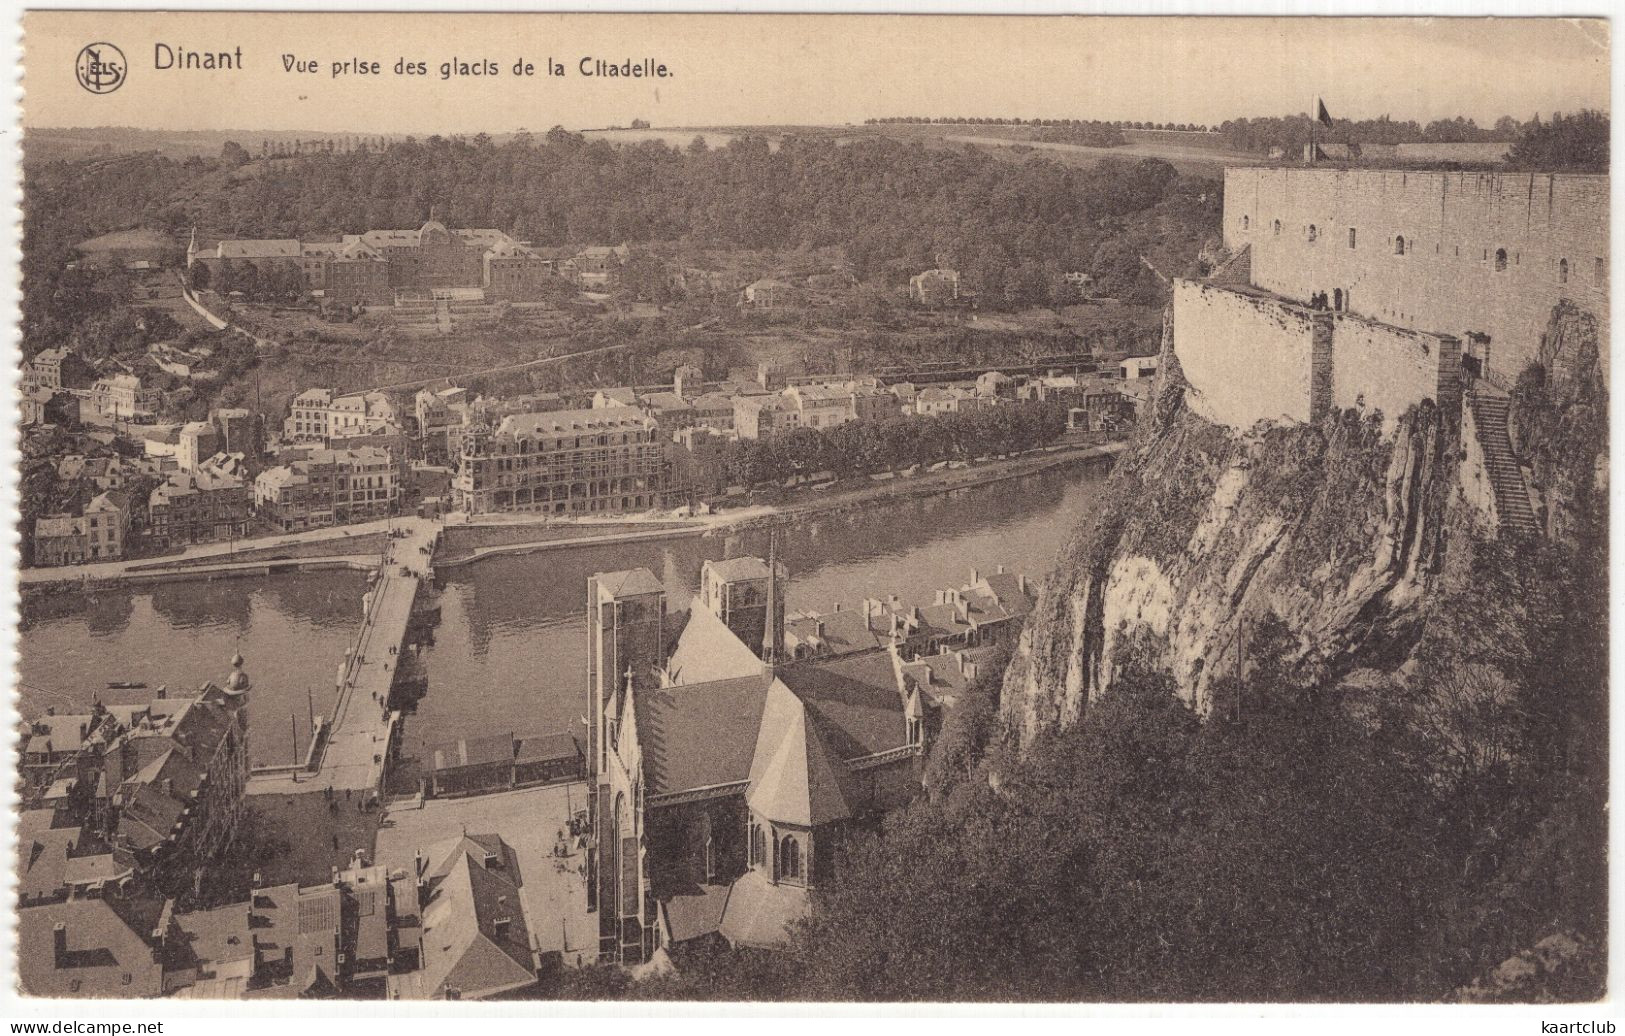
<point x="1512" y="506"/>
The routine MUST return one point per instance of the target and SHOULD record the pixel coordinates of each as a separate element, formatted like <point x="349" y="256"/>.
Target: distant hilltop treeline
<point x="1285" y="135"/>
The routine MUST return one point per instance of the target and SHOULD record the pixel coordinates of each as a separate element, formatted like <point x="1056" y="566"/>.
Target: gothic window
<point x="1313" y="232"/>
<point x="789" y="858"/>
<point x="1562" y="271"/>
<point x="1500" y="260"/>
<point x="1351" y="237"/>
<point x="1399" y="245"/>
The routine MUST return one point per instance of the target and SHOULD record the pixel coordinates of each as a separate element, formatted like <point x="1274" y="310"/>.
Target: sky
<point x="759" y="69"/>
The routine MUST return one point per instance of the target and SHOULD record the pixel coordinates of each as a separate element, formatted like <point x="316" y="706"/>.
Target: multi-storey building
<point x="197" y="507"/>
<point x="123" y="397"/>
<point x="372" y="267"/>
<point x="564" y="462"/>
<point x="328" y="486"/>
<point x="320" y="414"/>
<point x="96" y="534"/>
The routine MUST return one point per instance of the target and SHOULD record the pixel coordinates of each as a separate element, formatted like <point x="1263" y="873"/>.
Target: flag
<point x="1323" y="116"/>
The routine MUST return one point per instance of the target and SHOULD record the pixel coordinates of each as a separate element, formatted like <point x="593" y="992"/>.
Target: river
<point x="509" y="652"/>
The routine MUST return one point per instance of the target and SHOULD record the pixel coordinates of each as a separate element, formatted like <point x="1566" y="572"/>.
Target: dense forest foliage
<point x="894" y="208"/>
<point x="864" y="447"/>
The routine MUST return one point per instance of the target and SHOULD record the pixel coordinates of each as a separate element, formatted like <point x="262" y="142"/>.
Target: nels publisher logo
<point x="100" y="68"/>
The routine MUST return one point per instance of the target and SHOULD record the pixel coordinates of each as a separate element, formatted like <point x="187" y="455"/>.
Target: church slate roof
<point x="856" y="700"/>
<point x="699" y="736"/>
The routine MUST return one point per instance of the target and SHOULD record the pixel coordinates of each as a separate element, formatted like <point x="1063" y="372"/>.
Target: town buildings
<point x="325" y="487"/>
<point x="318" y="415"/>
<point x="378" y="266"/>
<point x="99" y="533"/>
<point x="564" y="462"/>
<point x="475" y="766"/>
<point x="597" y="268"/>
<point x="200" y="506"/>
<point x="122" y="397"/>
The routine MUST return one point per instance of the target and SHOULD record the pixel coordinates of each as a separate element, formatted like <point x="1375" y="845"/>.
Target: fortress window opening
<point x="1601" y="271"/>
<point x="1500" y="260"/>
<point x="1277" y="228"/>
<point x="1351" y="237"/>
<point x="1399" y="244"/>
<point x="1313" y="233"/>
<point x="1244" y="222"/>
<point x="1562" y="271"/>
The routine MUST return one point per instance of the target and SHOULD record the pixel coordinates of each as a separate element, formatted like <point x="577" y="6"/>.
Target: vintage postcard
<point x="792" y="508"/>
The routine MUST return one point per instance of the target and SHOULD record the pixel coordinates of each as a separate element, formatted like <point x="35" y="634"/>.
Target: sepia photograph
<point x="869" y="508"/>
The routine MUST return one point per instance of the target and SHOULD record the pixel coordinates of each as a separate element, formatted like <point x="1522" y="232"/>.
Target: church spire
<point x="773" y="629"/>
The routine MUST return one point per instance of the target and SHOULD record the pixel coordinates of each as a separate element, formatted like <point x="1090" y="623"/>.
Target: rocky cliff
<point x="1335" y="527"/>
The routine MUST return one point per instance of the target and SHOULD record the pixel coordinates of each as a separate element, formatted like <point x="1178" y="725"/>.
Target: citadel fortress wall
<point x="1249" y="356"/>
<point x="1425" y="279"/>
<point x="1479" y="256"/>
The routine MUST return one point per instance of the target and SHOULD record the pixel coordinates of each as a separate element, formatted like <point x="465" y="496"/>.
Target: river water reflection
<point x="509" y="652"/>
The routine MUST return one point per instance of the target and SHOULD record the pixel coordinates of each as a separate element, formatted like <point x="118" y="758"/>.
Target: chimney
<point x="975" y="577"/>
<point x="820" y="628"/>
<point x="59" y="940"/>
<point x="169" y="788"/>
<point x="959" y="656"/>
<point x="837" y="607"/>
<point x="1001" y="570"/>
<point x="1021" y="582"/>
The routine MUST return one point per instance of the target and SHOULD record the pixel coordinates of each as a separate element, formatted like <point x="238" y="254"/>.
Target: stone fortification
<point x="1482" y="257"/>
<point x="1248" y="356"/>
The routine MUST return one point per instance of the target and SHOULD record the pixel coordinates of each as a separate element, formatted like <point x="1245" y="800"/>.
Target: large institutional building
<point x="376" y="267"/>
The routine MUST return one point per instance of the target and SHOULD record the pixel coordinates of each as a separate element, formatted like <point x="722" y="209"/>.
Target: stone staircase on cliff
<point x="1506" y="477"/>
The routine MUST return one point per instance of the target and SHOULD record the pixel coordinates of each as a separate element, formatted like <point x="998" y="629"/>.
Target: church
<point x="726" y="763"/>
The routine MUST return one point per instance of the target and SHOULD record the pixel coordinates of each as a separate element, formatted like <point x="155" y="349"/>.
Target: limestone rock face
<point x="1336" y="527"/>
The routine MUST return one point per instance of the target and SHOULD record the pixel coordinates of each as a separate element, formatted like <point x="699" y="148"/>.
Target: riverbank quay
<point x="807" y="502"/>
<point x="341" y="546"/>
<point x="337" y="540"/>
